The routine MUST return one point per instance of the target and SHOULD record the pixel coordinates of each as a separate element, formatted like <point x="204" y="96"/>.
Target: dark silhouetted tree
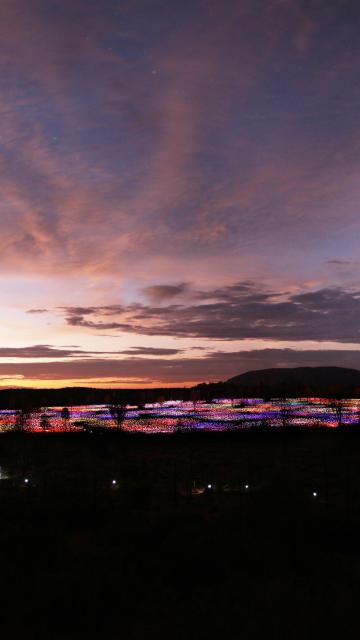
<point x="118" y="413"/>
<point x="337" y="407"/>
<point x="22" y="419"/>
<point x="65" y="416"/>
<point x="285" y="412"/>
<point x="24" y="414"/>
<point x="44" y="422"/>
<point x="195" y="398"/>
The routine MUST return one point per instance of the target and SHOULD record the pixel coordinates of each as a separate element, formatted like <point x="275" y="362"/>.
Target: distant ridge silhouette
<point x="316" y="380"/>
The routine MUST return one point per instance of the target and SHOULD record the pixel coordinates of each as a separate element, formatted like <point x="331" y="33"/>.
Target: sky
<point x="179" y="189"/>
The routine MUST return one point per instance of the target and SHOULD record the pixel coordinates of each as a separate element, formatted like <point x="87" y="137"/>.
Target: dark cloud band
<point x="214" y="367"/>
<point x="237" y="312"/>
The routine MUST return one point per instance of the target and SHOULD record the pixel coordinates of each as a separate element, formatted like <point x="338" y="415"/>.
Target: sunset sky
<point x="180" y="188"/>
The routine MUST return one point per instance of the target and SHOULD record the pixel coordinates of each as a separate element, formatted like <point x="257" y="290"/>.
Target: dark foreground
<point x="159" y="554"/>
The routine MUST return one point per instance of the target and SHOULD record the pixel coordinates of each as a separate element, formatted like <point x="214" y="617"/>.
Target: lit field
<point x="171" y="417"/>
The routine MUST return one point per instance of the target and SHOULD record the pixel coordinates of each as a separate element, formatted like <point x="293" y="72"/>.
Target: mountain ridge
<point x="300" y="379"/>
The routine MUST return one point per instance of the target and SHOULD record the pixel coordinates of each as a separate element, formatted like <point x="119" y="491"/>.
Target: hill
<point x="326" y="381"/>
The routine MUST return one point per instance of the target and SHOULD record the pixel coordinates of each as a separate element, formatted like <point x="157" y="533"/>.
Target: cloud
<point x="236" y="312"/>
<point x="213" y="367"/>
<point x="37" y="311"/>
<point x="48" y="351"/>
<point x="343" y="263"/>
<point x="108" y="168"/>
<point x="39" y="351"/>
<point x="151" y="351"/>
<point x="162" y="292"/>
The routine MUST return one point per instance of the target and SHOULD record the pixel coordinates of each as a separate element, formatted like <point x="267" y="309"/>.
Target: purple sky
<point x="179" y="189"/>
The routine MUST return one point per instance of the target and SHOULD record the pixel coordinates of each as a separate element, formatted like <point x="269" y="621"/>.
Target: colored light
<point x="170" y="417"/>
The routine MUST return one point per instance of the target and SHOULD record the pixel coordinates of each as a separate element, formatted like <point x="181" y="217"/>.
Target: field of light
<point x="172" y="416"/>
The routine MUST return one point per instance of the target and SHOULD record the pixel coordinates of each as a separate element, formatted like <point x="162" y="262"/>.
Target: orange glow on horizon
<point x="15" y="383"/>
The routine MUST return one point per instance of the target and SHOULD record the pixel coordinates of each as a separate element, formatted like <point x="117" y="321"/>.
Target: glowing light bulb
<point x="314" y="494"/>
<point x="246" y="486"/>
<point x="26" y="480"/>
<point x="113" y="482"/>
<point x="209" y="486"/>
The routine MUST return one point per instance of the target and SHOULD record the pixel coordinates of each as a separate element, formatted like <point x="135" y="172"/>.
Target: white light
<point x="26" y="480"/>
<point x="209" y="486"/>
<point x="314" y="494"/>
<point x="246" y="486"/>
<point x="114" y="482"/>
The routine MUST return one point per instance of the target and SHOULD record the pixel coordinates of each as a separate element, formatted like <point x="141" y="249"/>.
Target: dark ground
<point x="152" y="557"/>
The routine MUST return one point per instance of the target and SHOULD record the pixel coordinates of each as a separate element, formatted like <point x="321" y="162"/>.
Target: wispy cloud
<point x="104" y="162"/>
<point x="151" y="351"/>
<point x="40" y="351"/>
